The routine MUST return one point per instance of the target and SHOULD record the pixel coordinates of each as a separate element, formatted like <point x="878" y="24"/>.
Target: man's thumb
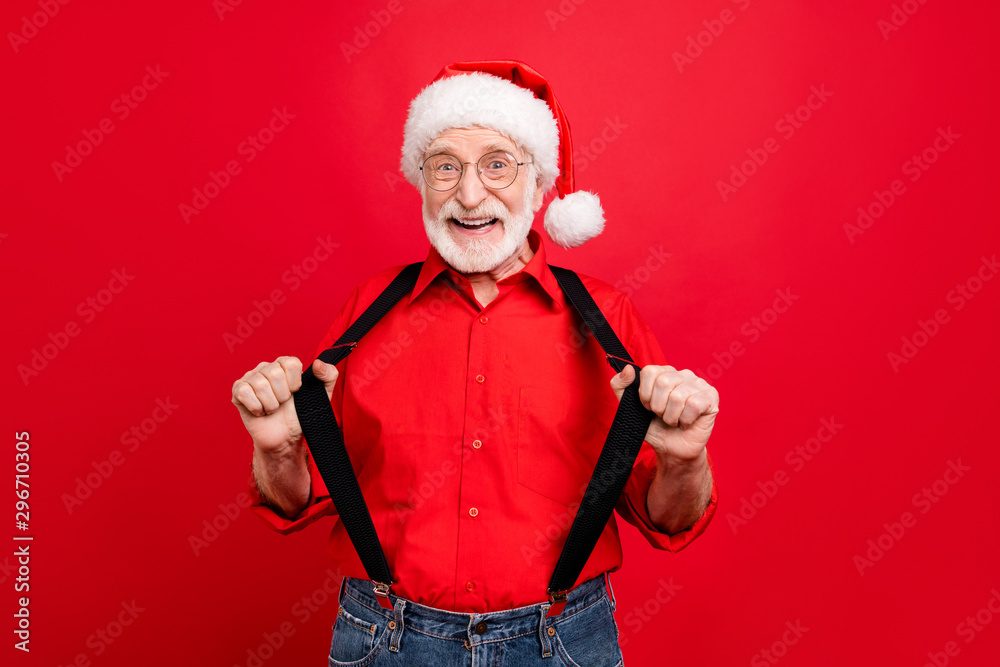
<point x="326" y="373"/>
<point x="621" y="380"/>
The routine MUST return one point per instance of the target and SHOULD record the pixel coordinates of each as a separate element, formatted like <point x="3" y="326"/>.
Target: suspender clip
<point x="382" y="594"/>
<point x="558" y="601"/>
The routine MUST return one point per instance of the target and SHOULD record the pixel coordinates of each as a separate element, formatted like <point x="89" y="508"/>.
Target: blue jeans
<point x="583" y="635"/>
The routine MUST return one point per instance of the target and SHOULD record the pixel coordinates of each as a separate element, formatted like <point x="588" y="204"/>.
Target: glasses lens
<point x="442" y="171"/>
<point x="498" y="169"/>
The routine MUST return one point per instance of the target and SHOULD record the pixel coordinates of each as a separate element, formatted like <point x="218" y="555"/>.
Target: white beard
<point x="479" y="255"/>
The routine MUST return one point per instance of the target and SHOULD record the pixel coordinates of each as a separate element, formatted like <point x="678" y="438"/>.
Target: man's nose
<point x="471" y="191"/>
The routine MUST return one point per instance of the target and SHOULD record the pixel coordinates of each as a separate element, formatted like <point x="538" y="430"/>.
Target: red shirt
<point x="474" y="431"/>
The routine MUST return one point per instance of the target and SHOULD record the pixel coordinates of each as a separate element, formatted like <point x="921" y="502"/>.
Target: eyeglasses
<point x="497" y="170"/>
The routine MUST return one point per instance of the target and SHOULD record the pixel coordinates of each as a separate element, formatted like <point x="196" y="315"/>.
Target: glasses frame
<point x="479" y="171"/>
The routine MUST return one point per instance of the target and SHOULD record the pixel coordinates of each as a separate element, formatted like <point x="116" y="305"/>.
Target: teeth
<point x="476" y="225"/>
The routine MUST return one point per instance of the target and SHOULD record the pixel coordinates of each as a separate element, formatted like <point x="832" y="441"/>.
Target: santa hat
<point x="515" y="100"/>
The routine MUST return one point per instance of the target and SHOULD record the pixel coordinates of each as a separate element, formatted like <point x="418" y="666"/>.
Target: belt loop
<point x="340" y="593"/>
<point x="397" y="622"/>
<point x="611" y="591"/>
<point x="543" y="634"/>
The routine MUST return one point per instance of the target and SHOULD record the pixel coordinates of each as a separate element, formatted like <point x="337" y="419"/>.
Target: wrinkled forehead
<point x="472" y="140"/>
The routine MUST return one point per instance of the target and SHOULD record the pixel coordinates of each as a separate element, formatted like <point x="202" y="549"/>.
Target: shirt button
<point x="480" y="379"/>
<point x="470" y="586"/>
<point x="476" y="444"/>
<point x="473" y="511"/>
<point x="484" y="319"/>
<point x="481" y="628"/>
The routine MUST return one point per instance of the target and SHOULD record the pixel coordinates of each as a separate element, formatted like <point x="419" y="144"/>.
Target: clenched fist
<point x="264" y="398"/>
<point x="684" y="409"/>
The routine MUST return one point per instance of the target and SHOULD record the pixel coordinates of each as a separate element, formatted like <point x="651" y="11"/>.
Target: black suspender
<point x="621" y="448"/>
<point x="611" y="473"/>
<point x="322" y="434"/>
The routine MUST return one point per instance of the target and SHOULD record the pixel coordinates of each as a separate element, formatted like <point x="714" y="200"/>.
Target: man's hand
<point x="264" y="398"/>
<point x="684" y="408"/>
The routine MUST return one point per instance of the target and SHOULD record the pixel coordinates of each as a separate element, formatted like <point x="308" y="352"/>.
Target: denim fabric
<point x="583" y="635"/>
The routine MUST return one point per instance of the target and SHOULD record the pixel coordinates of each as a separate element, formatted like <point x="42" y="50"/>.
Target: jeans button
<point x="480" y="628"/>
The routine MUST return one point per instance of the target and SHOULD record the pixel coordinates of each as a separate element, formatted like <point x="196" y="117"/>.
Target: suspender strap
<point x="323" y="436"/>
<point x="617" y="457"/>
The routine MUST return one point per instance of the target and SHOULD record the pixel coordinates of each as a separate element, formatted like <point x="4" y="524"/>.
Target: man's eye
<point x="446" y="167"/>
<point x="497" y="164"/>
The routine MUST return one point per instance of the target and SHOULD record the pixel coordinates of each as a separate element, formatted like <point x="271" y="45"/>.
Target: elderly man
<point x="475" y="410"/>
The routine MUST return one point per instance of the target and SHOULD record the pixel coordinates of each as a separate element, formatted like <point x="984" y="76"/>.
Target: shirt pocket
<point x="560" y="434"/>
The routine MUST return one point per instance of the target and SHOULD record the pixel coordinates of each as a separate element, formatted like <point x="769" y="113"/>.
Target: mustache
<point x="488" y="208"/>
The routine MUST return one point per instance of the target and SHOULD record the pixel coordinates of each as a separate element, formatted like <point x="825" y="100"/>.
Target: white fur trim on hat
<point x="483" y="100"/>
<point x="574" y="219"/>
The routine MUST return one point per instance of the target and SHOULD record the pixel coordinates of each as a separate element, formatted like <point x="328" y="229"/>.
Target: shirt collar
<point x="537" y="268"/>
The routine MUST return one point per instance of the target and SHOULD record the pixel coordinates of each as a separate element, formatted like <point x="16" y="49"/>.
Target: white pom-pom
<point x="574" y="219"/>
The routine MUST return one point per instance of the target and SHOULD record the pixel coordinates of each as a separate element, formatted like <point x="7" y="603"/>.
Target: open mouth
<point x="475" y="224"/>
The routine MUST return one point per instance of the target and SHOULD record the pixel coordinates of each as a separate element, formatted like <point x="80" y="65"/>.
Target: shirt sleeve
<point x="320" y="504"/>
<point x="631" y="505"/>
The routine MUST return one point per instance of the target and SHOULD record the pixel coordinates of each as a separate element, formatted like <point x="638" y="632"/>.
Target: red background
<point x="334" y="172"/>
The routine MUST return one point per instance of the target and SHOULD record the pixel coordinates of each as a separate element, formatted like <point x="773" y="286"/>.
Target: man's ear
<point x="536" y="203"/>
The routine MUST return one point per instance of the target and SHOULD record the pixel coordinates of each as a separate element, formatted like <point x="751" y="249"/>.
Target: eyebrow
<point x="439" y="147"/>
<point x="445" y="147"/>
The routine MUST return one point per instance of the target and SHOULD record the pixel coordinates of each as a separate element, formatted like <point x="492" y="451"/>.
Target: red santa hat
<point x="515" y="100"/>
